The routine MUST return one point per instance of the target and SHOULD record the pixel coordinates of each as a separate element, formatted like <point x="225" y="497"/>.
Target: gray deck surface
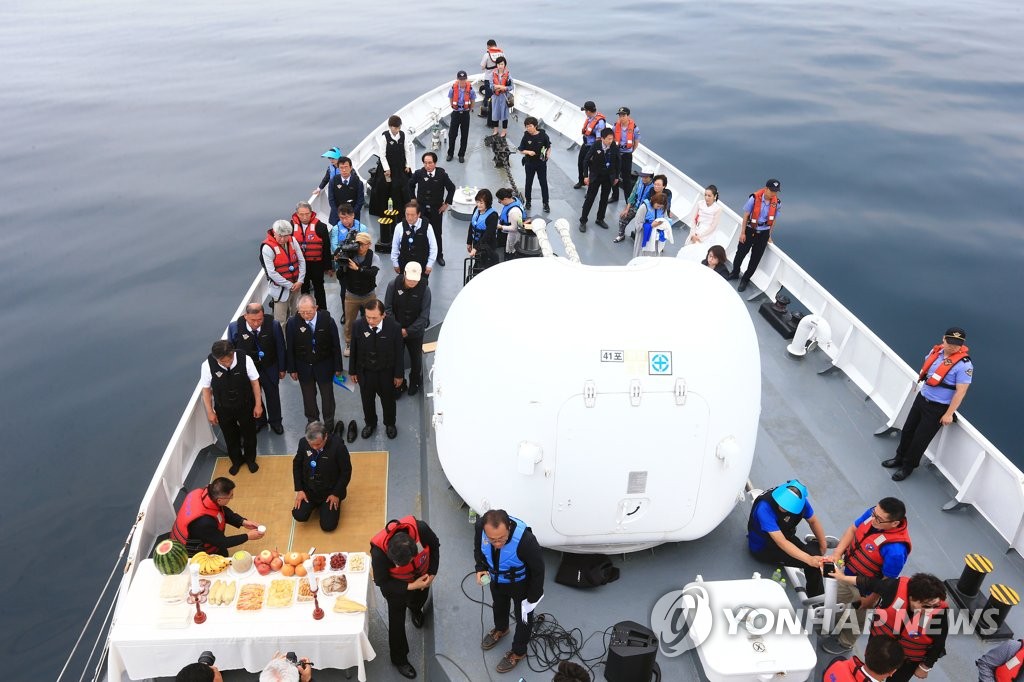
<point x="817" y="428"/>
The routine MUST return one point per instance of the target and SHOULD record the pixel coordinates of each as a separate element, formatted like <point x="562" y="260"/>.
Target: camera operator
<point x="287" y="668"/>
<point x="360" y="282"/>
<point x="202" y="670"/>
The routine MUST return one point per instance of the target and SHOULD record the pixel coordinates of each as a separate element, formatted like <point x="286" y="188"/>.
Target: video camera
<point x="207" y="658"/>
<point x="293" y="659"/>
<point x="347" y="249"/>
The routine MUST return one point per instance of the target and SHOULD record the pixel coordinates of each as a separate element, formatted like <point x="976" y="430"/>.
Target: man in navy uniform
<point x="346" y="188"/>
<point x="461" y="95"/>
<point x="231" y="394"/>
<point x="602" y="165"/>
<point x="771" y="532"/>
<point x="759" y="214"/>
<point x="508" y="556"/>
<point x="947" y="373"/>
<point x="314" y="358"/>
<point x="263" y="342"/>
<point x="377" y="364"/>
<point x="434" y="191"/>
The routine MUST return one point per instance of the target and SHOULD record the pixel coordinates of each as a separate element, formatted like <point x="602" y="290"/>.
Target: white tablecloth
<point x="140" y="649"/>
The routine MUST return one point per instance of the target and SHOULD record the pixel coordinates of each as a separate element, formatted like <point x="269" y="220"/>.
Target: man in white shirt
<point x="231" y="394"/>
<point x="414" y="241"/>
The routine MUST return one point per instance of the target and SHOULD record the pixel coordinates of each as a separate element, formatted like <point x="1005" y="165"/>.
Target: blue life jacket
<point x="479" y="221"/>
<point x="333" y="170"/>
<point x="503" y="218"/>
<point x="643" y="193"/>
<point x="649" y="218"/>
<point x="510" y="568"/>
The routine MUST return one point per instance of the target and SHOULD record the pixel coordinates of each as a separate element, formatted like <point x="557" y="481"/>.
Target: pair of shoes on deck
<point x="509" y="661"/>
<point x="832" y="645"/>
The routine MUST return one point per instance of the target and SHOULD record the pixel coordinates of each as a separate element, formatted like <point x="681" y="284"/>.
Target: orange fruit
<point x="287" y="570"/>
<point x="300" y="571"/>
<point x="293" y="558"/>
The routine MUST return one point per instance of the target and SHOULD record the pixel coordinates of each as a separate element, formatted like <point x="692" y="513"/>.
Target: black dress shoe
<point x="440" y="261"/>
<point x="253" y="467"/>
<point x="602" y="223"/>
<point x="260" y="426"/>
<point x="732" y="276"/>
<point x="277" y="428"/>
<point x="368" y="430"/>
<point x="233" y="469"/>
<point x="578" y="185"/>
<point x="413" y="389"/>
<point x="529" y="205"/>
<point x="353" y="431"/>
<point x="448" y="157"/>
<point x="406" y="670"/>
<point x="547" y="208"/>
<point x="416" y="616"/>
<point x="462" y="159"/>
<point x="894" y="463"/>
<point x="392" y="431"/>
<point x="900" y="474"/>
<point x="743" y="285"/>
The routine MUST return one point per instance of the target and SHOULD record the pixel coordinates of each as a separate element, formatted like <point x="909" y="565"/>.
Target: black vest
<point x="407" y="303"/>
<point x="376" y="350"/>
<point x="231" y="388"/>
<point x="363" y="281"/>
<point x="787" y="521"/>
<point x="305" y="349"/>
<point x="342" y="193"/>
<point x="415" y="245"/>
<point x="430" y="191"/>
<point x="394" y="151"/>
<point x="251" y="345"/>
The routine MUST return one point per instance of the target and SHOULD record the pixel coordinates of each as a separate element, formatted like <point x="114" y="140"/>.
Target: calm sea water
<point x="144" y="147"/>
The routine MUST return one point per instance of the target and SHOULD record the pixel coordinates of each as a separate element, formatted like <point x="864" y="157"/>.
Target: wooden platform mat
<point x="269" y="495"/>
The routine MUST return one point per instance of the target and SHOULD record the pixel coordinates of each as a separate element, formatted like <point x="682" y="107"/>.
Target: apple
<point x="262" y="569"/>
<point x="266" y="556"/>
<point x="276" y="564"/>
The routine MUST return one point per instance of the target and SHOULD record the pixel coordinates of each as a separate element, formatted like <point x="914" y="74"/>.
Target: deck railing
<point x="981" y="475"/>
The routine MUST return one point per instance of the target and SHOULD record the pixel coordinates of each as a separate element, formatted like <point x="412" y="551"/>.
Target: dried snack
<point x="281" y="593"/>
<point x="356" y="562"/>
<point x="335" y="584"/>
<point x="305" y="594"/>
<point x="250" y="598"/>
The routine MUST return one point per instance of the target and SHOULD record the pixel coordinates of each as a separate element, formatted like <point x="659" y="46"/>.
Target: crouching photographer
<point x="203" y="670"/>
<point x="287" y="668"/>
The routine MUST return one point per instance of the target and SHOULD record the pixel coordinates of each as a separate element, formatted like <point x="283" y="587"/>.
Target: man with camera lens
<point x="377" y="364"/>
<point x="343" y="241"/>
<point x="361" y="268"/>
<point x="287" y="668"/>
<point x="202" y="670"/>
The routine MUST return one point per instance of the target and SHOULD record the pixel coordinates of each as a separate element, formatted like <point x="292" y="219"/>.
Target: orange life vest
<point x="494" y="53"/>
<point x="864" y="556"/>
<point x="286" y="260"/>
<point x="938" y="377"/>
<point x="627" y="145"/>
<point x="845" y="670"/>
<point x="419" y="564"/>
<point x="500" y="78"/>
<point x="1010" y="670"/>
<point x="755" y="212"/>
<point x="461" y="95"/>
<point x="309" y="241"/>
<point x="196" y="504"/>
<point x="911" y="633"/>
<point x="591" y="123"/>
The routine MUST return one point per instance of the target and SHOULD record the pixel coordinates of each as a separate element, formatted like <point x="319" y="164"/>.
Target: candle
<point x="308" y="563"/>
<point x="193" y="570"/>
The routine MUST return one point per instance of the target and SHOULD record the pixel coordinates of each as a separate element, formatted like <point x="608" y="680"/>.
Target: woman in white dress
<point x="704" y="216"/>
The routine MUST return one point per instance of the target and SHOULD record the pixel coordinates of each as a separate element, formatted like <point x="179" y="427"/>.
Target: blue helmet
<point x="791" y="496"/>
<point x="332" y="153"/>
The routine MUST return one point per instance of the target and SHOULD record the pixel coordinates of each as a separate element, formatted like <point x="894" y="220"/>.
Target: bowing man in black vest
<point x="434" y="191"/>
<point x="231" y="394"/>
<point x="321" y="471"/>
<point x="377" y="364"/>
<point x="407" y="301"/>
<point x="413" y="241"/>
<point x="314" y="358"/>
<point x="263" y="342"/>
<point x="404" y="556"/>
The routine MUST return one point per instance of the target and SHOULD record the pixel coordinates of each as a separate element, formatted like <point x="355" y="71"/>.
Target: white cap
<point x="413" y="271"/>
<point x="647" y="170"/>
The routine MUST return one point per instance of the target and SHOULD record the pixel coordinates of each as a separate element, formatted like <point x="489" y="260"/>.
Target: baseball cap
<point x="332" y="153"/>
<point x="774" y="185"/>
<point x="588" y="106"/>
<point x="461" y="75"/>
<point x="413" y="271"/>
<point x="623" y="110"/>
<point x="364" y="238"/>
<point x="955" y="336"/>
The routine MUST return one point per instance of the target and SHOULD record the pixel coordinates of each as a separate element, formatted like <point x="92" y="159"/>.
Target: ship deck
<point x="815" y="427"/>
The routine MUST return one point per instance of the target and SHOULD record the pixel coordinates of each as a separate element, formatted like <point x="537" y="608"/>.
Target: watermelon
<point x="170" y="557"/>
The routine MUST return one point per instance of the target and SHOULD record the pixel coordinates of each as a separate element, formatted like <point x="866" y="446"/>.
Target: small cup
<point x="486" y="579"/>
<point x="262" y="529"/>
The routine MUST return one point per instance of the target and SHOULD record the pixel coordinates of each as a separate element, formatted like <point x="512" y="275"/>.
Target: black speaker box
<point x="631" y="654"/>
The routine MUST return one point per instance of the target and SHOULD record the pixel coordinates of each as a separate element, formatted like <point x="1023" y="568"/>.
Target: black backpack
<point x="586" y="570"/>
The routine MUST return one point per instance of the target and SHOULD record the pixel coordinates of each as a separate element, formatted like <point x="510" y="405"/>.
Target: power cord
<point x="550" y="643"/>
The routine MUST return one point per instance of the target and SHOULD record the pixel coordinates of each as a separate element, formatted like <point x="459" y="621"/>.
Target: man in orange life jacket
<point x="947" y="373"/>
<point x="882" y="658"/>
<point x="593" y="124"/>
<point x="911" y="611"/>
<point x="314" y="239"/>
<point x="759" y="215"/>
<point x="203" y="516"/>
<point x="285" y="268"/>
<point x="462" y="96"/>
<point x="627" y="136"/>
<point x="876" y="545"/>
<point x="405" y="557"/>
<point x="1002" y="663"/>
